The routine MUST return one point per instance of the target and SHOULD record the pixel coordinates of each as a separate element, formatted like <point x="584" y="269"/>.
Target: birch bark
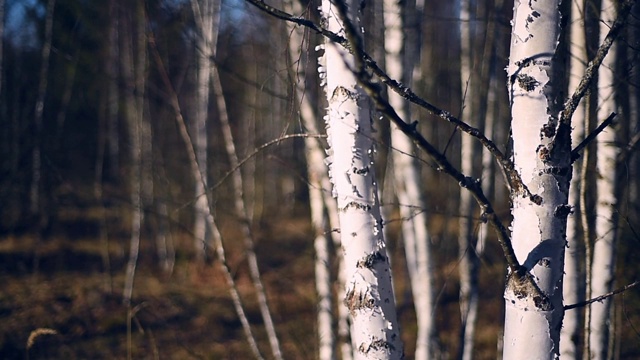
<point x="542" y="147"/>
<point x="606" y="229"/>
<point x="369" y="293"/>
<point x="407" y="179"/>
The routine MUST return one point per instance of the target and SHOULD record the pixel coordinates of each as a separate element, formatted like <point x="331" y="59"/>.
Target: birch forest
<point x="326" y="179"/>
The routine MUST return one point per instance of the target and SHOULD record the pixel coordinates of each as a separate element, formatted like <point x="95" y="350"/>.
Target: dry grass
<point x="64" y="311"/>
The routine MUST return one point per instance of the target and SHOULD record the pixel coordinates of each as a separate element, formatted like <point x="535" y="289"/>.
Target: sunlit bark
<point x="542" y="150"/>
<point x="369" y="293"/>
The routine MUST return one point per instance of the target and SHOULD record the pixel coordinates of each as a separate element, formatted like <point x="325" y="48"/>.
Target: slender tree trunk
<point x="198" y="175"/>
<point x="469" y="263"/>
<point x="318" y="175"/>
<point x="243" y="217"/>
<point x="207" y="16"/>
<point x="369" y="292"/>
<point x="113" y="97"/>
<point x="542" y="151"/>
<point x="606" y="230"/>
<point x="36" y="166"/>
<point x="573" y="291"/>
<point x="134" y="76"/>
<point x="406" y="172"/>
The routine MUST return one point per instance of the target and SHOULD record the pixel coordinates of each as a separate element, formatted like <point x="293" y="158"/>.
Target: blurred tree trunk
<point x="469" y="262"/>
<point x="609" y="191"/>
<point x="240" y="209"/>
<point x="207" y="16"/>
<point x="133" y="73"/>
<point x="542" y="155"/>
<point x="407" y="180"/>
<point x="35" y="205"/>
<point x="319" y="185"/>
<point x="573" y="291"/>
<point x="113" y="91"/>
<point x="369" y="292"/>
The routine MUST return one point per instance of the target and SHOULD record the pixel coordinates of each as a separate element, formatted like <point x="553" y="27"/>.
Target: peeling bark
<point x="542" y="156"/>
<point x="369" y="292"/>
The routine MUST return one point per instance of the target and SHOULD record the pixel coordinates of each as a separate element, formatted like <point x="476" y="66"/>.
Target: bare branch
<point x="575" y="153"/>
<point x="629" y="149"/>
<point x="512" y="178"/>
<point x="602" y="297"/>
<point x="443" y="164"/>
<point x="592" y="68"/>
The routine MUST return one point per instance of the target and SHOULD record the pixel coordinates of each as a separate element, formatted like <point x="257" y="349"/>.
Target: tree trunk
<point x="35" y="205"/>
<point x="369" y="293"/>
<point x="406" y="174"/>
<point x="542" y="150"/>
<point x="606" y="230"/>
<point x="573" y="291"/>
<point x="133" y="72"/>
<point x="318" y="183"/>
<point x="469" y="263"/>
<point x="240" y="209"/>
<point x="206" y="14"/>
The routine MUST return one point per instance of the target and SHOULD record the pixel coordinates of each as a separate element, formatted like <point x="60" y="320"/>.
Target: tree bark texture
<point x="542" y="150"/>
<point x="369" y="292"/>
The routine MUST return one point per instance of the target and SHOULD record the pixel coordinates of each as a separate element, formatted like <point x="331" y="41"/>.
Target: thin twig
<point x="575" y="153"/>
<point x="199" y="177"/>
<point x="512" y="178"/>
<point x="602" y="297"/>
<point x="383" y="106"/>
<point x="592" y="68"/>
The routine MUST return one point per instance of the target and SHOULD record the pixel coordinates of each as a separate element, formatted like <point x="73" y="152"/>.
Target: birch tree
<point x="319" y="183"/>
<point x="133" y="73"/>
<point x="606" y="224"/>
<point x="541" y="148"/>
<point x="369" y="292"/>
<point x="207" y="17"/>
<point x="573" y="290"/>
<point x="407" y="180"/>
<point x="468" y="260"/>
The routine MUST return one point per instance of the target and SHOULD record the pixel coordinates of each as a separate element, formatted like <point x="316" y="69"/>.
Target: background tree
<point x="88" y="179"/>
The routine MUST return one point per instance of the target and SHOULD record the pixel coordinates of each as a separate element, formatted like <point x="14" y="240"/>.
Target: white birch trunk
<point x="573" y="289"/>
<point x="407" y="180"/>
<point x="542" y="150"/>
<point x="606" y="229"/>
<point x="369" y="293"/>
<point x="206" y="13"/>
<point x="318" y="175"/>
<point x="468" y="261"/>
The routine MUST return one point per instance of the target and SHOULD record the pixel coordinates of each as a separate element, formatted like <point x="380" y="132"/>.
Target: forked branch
<point x="443" y="164"/>
<point x="512" y="178"/>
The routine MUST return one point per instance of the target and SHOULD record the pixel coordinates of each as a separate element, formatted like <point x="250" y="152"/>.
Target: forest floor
<point x="61" y="303"/>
